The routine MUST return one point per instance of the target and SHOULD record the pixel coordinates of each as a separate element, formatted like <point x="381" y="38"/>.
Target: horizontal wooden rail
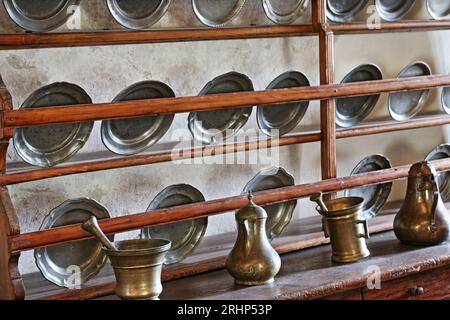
<point x="122" y="37"/>
<point x="190" y="153"/>
<point x="127" y="109"/>
<point x="72" y="233"/>
<point x="387" y="27"/>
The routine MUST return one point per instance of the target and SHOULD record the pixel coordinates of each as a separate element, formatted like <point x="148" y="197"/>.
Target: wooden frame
<point x="12" y="242"/>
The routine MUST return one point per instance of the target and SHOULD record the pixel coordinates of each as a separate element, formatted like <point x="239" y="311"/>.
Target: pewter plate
<point x="350" y="111"/>
<point x="439" y="9"/>
<point x="344" y="10"/>
<point x="443" y="179"/>
<point x="131" y="136"/>
<point x="279" y="215"/>
<point x="405" y="105"/>
<point x="281" y="119"/>
<point x="284" y="11"/>
<point x="393" y="10"/>
<point x="42" y="15"/>
<point x="374" y="196"/>
<point x="445" y="99"/>
<point x="211" y="127"/>
<point x="46" y="146"/>
<point x="216" y="13"/>
<point x="138" y="14"/>
<point x="58" y="264"/>
<point x="185" y="235"/>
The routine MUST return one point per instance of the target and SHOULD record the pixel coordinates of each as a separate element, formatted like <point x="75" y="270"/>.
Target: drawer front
<point x="428" y="285"/>
<point x="348" y="295"/>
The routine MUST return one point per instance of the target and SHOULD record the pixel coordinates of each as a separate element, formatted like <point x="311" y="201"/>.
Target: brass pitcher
<point x="252" y="261"/>
<point x="423" y="218"/>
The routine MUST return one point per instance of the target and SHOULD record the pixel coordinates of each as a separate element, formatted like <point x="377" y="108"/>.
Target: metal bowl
<point x="405" y="105"/>
<point x="344" y="10"/>
<point x="46" y="146"/>
<point x="184" y="235"/>
<point x="279" y="215"/>
<point x="393" y="10"/>
<point x="350" y="111"/>
<point x="215" y="13"/>
<point x="439" y="9"/>
<point x="138" y="14"/>
<point x="443" y="179"/>
<point x="281" y="119"/>
<point x="131" y="136"/>
<point x="210" y="127"/>
<point x="284" y="11"/>
<point x="374" y="196"/>
<point x="60" y="263"/>
<point x="42" y="15"/>
<point x="445" y="99"/>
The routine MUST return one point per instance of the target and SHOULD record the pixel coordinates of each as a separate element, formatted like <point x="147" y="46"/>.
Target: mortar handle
<point x="91" y="226"/>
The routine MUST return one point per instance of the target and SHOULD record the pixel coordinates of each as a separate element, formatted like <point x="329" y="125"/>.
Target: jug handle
<point x="325" y="229"/>
<point x="435" y="203"/>
<point x="365" y="224"/>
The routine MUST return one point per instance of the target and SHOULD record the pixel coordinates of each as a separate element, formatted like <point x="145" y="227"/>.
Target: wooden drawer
<point x="427" y="285"/>
<point x="348" y="295"/>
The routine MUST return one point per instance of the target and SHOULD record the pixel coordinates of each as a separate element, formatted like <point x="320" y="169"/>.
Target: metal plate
<point x="393" y="10"/>
<point x="42" y="15"/>
<point x="58" y="263"/>
<point x="185" y="235"/>
<point x="283" y="118"/>
<point x="138" y="14"/>
<point x="405" y="105"/>
<point x="439" y="9"/>
<point x="344" y="10"/>
<point x="445" y="99"/>
<point x="374" y="196"/>
<point x="134" y="135"/>
<point x="284" y="11"/>
<point x="46" y="146"/>
<point x="214" y="126"/>
<point x="279" y="215"/>
<point x="350" y="111"/>
<point x="216" y="13"/>
<point x="443" y="179"/>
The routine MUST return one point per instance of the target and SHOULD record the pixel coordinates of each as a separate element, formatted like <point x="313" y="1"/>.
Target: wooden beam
<point x="390" y="27"/>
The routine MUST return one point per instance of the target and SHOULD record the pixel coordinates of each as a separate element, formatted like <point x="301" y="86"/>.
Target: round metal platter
<point x="138" y="14"/>
<point x="281" y="119"/>
<point x="46" y="146"/>
<point x="374" y="196"/>
<point x="185" y="235"/>
<point x="279" y="215"/>
<point x="443" y="179"/>
<point x="445" y="99"/>
<point x="214" y="13"/>
<point x="439" y="9"/>
<point x="42" y="15"/>
<point x="344" y="10"/>
<point x="213" y="126"/>
<point x="58" y="263"/>
<point x="393" y="10"/>
<point x="350" y="111"/>
<point x="405" y="105"/>
<point x="284" y="11"/>
<point x="131" y="136"/>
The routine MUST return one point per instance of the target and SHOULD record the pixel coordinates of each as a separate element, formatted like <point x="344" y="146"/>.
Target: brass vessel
<point x="252" y="261"/>
<point x="137" y="263"/>
<point x="423" y="218"/>
<point x="342" y="223"/>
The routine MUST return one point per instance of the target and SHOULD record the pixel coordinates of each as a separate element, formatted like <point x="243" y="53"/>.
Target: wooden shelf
<point x="209" y="256"/>
<point x="389" y="27"/>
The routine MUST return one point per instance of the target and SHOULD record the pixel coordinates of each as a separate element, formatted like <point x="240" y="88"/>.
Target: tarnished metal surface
<point x="285" y="11"/>
<point x="439" y="9"/>
<point x="134" y="135"/>
<point x="344" y="10"/>
<point x="184" y="235"/>
<point x="374" y="196"/>
<point x="46" y="146"/>
<point x="393" y="10"/>
<point x="443" y="179"/>
<point x="57" y="263"/>
<point x="216" y="13"/>
<point x="284" y="117"/>
<point x="138" y="14"/>
<point x="445" y="100"/>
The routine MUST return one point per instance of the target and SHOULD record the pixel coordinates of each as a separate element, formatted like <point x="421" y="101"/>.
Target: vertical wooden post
<point x="11" y="285"/>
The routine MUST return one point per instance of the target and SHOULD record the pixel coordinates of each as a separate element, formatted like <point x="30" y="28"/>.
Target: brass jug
<point x="252" y="261"/>
<point x="423" y="218"/>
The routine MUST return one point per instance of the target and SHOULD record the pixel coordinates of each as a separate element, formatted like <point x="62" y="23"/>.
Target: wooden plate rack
<point x="13" y="242"/>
